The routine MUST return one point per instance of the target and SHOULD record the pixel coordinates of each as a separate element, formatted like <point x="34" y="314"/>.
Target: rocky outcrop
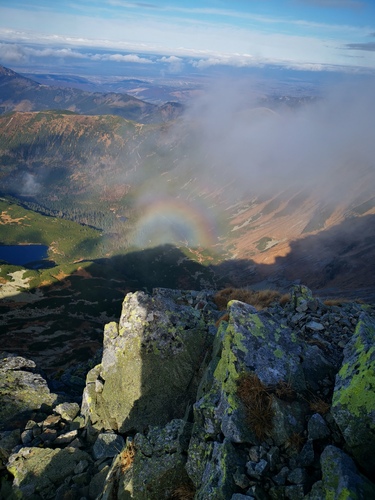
<point x="150" y="365"/>
<point x="353" y="405"/>
<point x="189" y="402"/>
<point x="22" y="389"/>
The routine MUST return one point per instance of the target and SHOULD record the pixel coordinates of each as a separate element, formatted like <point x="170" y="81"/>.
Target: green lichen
<point x="277" y="334"/>
<point x="278" y="353"/>
<point x="257" y="326"/>
<point x="226" y="371"/>
<point x="359" y="395"/>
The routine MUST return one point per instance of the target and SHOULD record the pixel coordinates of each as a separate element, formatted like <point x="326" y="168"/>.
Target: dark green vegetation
<point x="66" y="240"/>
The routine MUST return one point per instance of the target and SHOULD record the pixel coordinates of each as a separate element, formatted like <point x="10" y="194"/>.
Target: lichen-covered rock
<point x="68" y="411"/>
<point x="353" y="405"/>
<point x="22" y="389"/>
<point x="151" y="467"/>
<point x="39" y="471"/>
<point x="107" y="445"/>
<point x="150" y="364"/>
<point x="340" y="477"/>
<point x="217" y="480"/>
<point x="251" y="343"/>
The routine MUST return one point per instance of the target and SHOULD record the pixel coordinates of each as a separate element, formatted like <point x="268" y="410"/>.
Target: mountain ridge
<point x="18" y="93"/>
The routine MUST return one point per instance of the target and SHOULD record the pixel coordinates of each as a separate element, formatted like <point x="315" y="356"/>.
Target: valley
<point x="128" y="195"/>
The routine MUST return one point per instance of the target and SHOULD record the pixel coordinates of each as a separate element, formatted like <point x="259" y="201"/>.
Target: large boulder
<point x="353" y="405"/>
<point x="150" y="367"/>
<point x="22" y="390"/>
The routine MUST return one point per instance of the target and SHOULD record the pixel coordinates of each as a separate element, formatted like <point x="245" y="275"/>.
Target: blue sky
<point x="295" y="34"/>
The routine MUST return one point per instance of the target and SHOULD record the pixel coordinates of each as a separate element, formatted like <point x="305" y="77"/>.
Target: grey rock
<point x="273" y="457"/>
<point x="107" y="444"/>
<point x="257" y="470"/>
<point x="289" y="418"/>
<point x="155" y="335"/>
<point x="317" y="427"/>
<point x="294" y="492"/>
<point x="306" y="457"/>
<point x="66" y="438"/>
<point x="81" y="467"/>
<point x="297" y="476"/>
<point x="22" y="390"/>
<point x="41" y="470"/>
<point x="68" y="411"/>
<point x="315" y="326"/>
<point x="353" y="404"/>
<point x="341" y="478"/>
<point x="152" y="477"/>
<point x="280" y="478"/>
<point x="240" y="479"/>
<point x="27" y="437"/>
<point x="97" y="483"/>
<point x="8" y="441"/>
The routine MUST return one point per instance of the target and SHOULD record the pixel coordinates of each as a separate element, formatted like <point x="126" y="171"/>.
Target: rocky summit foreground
<point x="192" y="402"/>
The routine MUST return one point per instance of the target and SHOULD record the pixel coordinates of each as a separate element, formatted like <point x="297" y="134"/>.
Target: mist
<point x="234" y="145"/>
<point x="319" y="145"/>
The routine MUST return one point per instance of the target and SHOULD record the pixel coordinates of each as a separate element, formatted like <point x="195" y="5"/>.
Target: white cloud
<point x="11" y="53"/>
<point x="128" y="58"/>
<point x="176" y="64"/>
<point x="17" y="53"/>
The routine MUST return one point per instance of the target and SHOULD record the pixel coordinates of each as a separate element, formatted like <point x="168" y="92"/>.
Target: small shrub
<point x="257" y="401"/>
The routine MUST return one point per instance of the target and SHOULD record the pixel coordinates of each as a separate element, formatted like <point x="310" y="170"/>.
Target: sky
<point x="312" y="35"/>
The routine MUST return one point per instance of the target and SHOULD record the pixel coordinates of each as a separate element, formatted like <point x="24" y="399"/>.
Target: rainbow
<point x="175" y="221"/>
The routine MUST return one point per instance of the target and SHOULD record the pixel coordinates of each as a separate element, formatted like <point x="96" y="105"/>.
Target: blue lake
<point x="33" y="256"/>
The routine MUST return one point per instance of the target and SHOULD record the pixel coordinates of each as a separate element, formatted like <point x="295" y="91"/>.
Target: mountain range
<point x="18" y="93"/>
<point x="111" y="171"/>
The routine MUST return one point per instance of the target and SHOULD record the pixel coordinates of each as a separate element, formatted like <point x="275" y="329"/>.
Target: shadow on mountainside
<point x="60" y="323"/>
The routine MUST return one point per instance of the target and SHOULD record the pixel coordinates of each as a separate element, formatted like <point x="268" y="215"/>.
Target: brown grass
<point x="257" y="402"/>
<point x="83" y="273"/>
<point x="318" y="405"/>
<point x="295" y="442"/>
<point x="283" y="390"/>
<point x="259" y="300"/>
<point x="225" y="317"/>
<point x="184" y="492"/>
<point x="127" y="457"/>
<point x="335" y="302"/>
<point x="5" y="218"/>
